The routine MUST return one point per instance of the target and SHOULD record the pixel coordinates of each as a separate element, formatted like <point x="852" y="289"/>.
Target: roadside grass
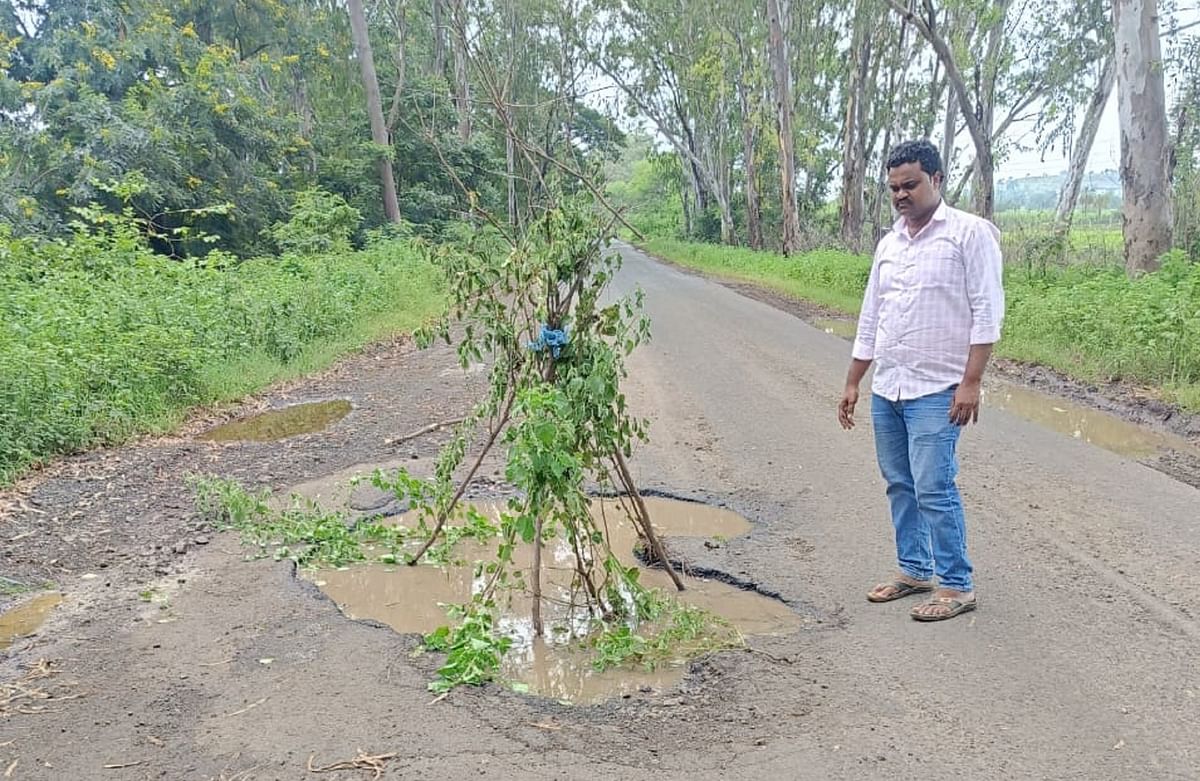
<point x="102" y="339"/>
<point x="1090" y="322"/>
<point x="833" y="278"/>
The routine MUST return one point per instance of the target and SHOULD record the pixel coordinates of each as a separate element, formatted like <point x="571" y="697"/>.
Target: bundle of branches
<point x="533" y="314"/>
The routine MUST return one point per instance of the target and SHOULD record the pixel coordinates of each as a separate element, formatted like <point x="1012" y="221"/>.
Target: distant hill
<point x="1100" y="190"/>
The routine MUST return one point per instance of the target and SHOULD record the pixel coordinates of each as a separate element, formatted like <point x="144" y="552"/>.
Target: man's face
<point x="915" y="194"/>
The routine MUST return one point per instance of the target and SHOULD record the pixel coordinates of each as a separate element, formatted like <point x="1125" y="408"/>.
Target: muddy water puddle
<point x="27" y="618"/>
<point x="278" y="424"/>
<point x="413" y="599"/>
<point x="1089" y="425"/>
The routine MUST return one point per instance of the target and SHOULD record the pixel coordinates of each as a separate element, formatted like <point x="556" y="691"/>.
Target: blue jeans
<point x="915" y="442"/>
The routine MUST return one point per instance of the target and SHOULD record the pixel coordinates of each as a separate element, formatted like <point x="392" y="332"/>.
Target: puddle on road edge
<point x="280" y="424"/>
<point x="1102" y="429"/>
<point x="26" y="619"/>
<point x="555" y="666"/>
<point x="1079" y="422"/>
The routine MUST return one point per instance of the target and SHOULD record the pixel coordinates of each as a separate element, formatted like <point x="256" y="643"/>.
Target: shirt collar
<point x="939" y="215"/>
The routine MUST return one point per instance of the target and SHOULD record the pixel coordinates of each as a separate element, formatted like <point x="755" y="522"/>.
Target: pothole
<point x="26" y="619"/>
<point x="281" y="423"/>
<point x="558" y="666"/>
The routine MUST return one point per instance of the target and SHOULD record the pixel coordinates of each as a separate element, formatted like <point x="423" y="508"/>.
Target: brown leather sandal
<point x="901" y="590"/>
<point x="955" y="607"/>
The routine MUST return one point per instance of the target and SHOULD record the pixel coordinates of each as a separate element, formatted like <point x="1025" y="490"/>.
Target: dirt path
<point x="1082" y="661"/>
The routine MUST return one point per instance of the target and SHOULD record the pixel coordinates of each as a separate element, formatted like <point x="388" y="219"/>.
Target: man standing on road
<point x="930" y="315"/>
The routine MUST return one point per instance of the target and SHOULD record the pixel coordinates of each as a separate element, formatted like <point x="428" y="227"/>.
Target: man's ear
<point x="937" y="180"/>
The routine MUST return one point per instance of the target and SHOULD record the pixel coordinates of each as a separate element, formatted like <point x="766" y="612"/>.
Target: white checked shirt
<point x="929" y="298"/>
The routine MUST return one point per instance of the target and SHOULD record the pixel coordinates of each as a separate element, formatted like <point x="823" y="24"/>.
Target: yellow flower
<point x="105" y="58"/>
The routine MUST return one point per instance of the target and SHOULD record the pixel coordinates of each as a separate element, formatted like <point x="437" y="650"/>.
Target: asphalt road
<point x="1083" y="659"/>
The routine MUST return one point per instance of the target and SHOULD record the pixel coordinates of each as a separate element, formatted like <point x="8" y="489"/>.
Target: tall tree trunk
<point x="854" y="132"/>
<point x="685" y="198"/>
<point x="949" y="131"/>
<point x="510" y="170"/>
<point x="1068" y="197"/>
<point x="438" y="64"/>
<point x="750" y="114"/>
<point x="1145" y="147"/>
<point x="307" y="118"/>
<point x="366" y="63"/>
<point x="462" y="86"/>
<point x="780" y="68"/>
<point x="754" y="231"/>
<point x="896" y="81"/>
<point x="400" y="56"/>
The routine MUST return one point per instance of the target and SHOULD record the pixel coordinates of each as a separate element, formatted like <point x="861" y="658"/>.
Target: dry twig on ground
<point x="16" y="697"/>
<point x="376" y="763"/>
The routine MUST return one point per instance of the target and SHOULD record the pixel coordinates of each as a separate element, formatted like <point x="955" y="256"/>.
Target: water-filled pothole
<point x="281" y="423"/>
<point x="412" y="599"/>
<point x="27" y="618"/>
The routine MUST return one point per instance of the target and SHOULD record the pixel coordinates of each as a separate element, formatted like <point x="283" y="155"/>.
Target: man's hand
<point x="846" y="406"/>
<point x="965" y="408"/>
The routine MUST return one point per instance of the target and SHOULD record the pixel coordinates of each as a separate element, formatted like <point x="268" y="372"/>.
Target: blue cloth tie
<point x="552" y="339"/>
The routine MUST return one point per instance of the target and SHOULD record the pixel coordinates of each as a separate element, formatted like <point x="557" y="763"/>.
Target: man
<point x="930" y="315"/>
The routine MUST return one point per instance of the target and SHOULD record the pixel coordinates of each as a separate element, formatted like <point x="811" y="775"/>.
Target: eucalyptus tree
<point x="650" y="50"/>
<point x="781" y="73"/>
<point x="1085" y="58"/>
<point x="1186" y="112"/>
<point x="750" y="76"/>
<point x="1146" y="210"/>
<point x="379" y="130"/>
<point x="976" y="100"/>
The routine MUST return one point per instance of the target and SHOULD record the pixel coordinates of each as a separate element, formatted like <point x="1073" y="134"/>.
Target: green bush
<point x="1099" y="323"/>
<point x="318" y="221"/>
<point x="101" y="338"/>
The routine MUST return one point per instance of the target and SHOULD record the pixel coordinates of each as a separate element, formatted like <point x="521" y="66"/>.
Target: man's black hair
<point x="921" y="151"/>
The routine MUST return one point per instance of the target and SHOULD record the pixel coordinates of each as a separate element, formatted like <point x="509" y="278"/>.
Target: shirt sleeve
<point x="868" y="318"/>
<point x="985" y="282"/>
